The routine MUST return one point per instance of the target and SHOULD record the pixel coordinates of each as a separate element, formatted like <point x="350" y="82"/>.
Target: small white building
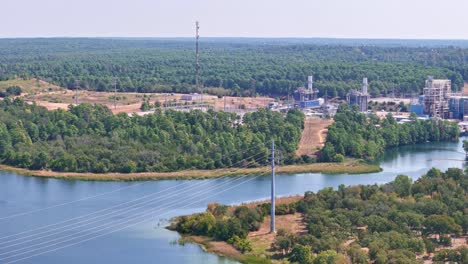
<point x="191" y="97"/>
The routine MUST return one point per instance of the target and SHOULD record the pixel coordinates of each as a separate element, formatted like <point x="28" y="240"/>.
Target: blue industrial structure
<point x="418" y="109"/>
<point x="308" y="97"/>
<point x="421" y="99"/>
<point x="311" y="103"/>
<point x="458" y="107"/>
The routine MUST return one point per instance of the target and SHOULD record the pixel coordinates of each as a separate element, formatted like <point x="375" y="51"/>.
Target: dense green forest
<point x="353" y="134"/>
<point x="394" y="222"/>
<point x="89" y="138"/>
<point x="243" y="66"/>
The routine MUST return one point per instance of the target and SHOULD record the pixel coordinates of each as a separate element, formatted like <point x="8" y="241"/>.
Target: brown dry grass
<point x="128" y="102"/>
<point x="278" y="201"/>
<point x="50" y="106"/>
<point x="456" y="243"/>
<point x="313" y="136"/>
<point x="220" y="248"/>
<point x="32" y="86"/>
<point x="54" y="97"/>
<point x="352" y="167"/>
<point x="263" y="239"/>
<point x="233" y="103"/>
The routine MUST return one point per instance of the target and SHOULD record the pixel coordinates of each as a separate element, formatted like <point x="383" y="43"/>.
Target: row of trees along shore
<point x="353" y="134"/>
<point x="389" y="223"/>
<point x="89" y="138"/>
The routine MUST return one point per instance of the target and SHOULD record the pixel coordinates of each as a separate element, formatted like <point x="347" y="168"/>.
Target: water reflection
<point x="148" y="244"/>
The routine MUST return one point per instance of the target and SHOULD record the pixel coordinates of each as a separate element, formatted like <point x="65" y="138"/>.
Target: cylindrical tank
<point x="310" y="82"/>
<point x="364" y="85"/>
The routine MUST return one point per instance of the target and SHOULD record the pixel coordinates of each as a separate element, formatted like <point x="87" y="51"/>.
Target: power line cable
<point x="71" y="202"/>
<point x="75" y="226"/>
<point x="107" y="226"/>
<point x="125" y="227"/>
<point x="121" y="210"/>
<point x="115" y="206"/>
<point x="102" y="194"/>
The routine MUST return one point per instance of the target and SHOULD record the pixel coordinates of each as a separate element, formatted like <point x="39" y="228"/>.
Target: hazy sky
<point x="438" y="19"/>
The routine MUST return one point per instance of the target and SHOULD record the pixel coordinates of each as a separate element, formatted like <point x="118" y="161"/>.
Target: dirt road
<point x="313" y="136"/>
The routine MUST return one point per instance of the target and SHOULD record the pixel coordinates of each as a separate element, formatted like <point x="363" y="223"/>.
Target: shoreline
<point x="350" y="167"/>
<point x="206" y="244"/>
<point x="258" y="238"/>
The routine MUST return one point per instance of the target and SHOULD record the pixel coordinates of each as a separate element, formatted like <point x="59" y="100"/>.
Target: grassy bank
<point x="261" y="240"/>
<point x="352" y="167"/>
<point x="341" y="225"/>
<point x="222" y="249"/>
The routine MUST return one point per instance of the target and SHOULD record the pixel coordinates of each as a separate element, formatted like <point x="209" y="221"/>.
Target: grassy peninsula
<point x="351" y="167"/>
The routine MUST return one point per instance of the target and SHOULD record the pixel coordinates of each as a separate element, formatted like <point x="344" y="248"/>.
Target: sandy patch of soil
<point x="263" y="239"/>
<point x="313" y="136"/>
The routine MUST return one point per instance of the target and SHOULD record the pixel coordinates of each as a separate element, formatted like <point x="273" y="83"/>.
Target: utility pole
<point x="76" y="92"/>
<point x="197" y="60"/>
<point x="273" y="195"/>
<point x="115" y="93"/>
<point x="224" y="103"/>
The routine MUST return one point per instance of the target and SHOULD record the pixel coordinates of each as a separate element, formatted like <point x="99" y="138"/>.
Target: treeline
<point x="89" y="138"/>
<point x="11" y="91"/>
<point x="353" y="134"/>
<point x="394" y="222"/>
<point x="245" y="67"/>
<point x="219" y="223"/>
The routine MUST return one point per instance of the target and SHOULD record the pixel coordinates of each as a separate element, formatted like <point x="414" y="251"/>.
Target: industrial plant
<point x="438" y="101"/>
<point x="359" y="98"/>
<point x="308" y="97"/>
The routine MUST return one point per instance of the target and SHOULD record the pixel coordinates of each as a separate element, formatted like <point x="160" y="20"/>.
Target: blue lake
<point x="28" y="203"/>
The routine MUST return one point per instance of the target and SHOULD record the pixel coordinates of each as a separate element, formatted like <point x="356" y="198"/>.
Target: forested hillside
<point x="244" y="66"/>
<point x="90" y="138"/>
<point x="353" y="134"/>
<point x="391" y="223"/>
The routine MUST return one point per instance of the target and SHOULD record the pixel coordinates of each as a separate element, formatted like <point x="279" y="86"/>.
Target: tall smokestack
<point x="310" y="82"/>
<point x="364" y="85"/>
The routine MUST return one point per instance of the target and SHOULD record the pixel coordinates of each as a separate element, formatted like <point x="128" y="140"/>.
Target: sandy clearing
<point x="263" y="239"/>
<point x="313" y="136"/>
<point x="51" y="106"/>
<point x="131" y="102"/>
<point x="218" y="247"/>
<point x="457" y="242"/>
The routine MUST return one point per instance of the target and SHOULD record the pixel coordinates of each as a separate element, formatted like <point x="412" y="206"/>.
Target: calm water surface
<point x="148" y="242"/>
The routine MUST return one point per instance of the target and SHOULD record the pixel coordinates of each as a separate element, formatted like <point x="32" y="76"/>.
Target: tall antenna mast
<point x="197" y="56"/>
<point x="273" y="195"/>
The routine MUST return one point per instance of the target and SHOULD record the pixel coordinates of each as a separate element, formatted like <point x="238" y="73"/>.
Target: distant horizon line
<point x="236" y="37"/>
